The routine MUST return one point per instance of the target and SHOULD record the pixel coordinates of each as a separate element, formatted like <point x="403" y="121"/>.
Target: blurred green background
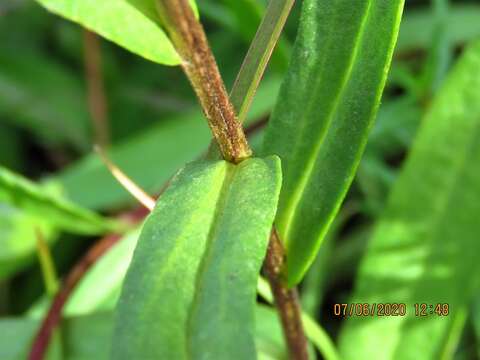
<point x="153" y="125"/>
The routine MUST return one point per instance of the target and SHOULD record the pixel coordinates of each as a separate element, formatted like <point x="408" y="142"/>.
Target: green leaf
<point x="244" y="18"/>
<point x="258" y="56"/>
<point x="425" y="247"/>
<point x="190" y="289"/>
<point x="132" y="24"/>
<point x="326" y="107"/>
<point x="40" y="202"/>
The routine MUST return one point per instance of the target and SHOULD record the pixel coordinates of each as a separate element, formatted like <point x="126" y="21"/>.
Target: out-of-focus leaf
<point x="418" y="27"/>
<point x="100" y="289"/>
<point x="246" y="15"/>
<point x="151" y="157"/>
<point x="44" y="98"/>
<point x="476" y="322"/>
<point x="440" y="51"/>
<point x="326" y="107"/>
<point x="269" y="335"/>
<point x="18" y="239"/>
<point x="395" y="127"/>
<point x="85" y="337"/>
<point x="392" y="135"/>
<point x="37" y="201"/>
<point x="424" y="249"/>
<point x="132" y="24"/>
<point x="209" y="233"/>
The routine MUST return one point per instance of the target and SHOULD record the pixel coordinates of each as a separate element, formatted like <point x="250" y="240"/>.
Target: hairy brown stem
<point x="189" y="38"/>
<point x="97" y="101"/>
<point x="286" y="300"/>
<point x="200" y="67"/>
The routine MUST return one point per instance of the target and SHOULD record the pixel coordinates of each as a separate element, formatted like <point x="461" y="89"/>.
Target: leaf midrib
<point x="310" y="164"/>
<point x="207" y="257"/>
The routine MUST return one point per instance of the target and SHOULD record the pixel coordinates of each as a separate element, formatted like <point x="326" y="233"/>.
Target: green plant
<point x="313" y="196"/>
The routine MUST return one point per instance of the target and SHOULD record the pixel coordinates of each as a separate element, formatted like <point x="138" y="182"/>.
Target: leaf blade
<point x="215" y="252"/>
<point x="122" y="22"/>
<point x="21" y="193"/>
<point x="423" y="248"/>
<point x="327" y="101"/>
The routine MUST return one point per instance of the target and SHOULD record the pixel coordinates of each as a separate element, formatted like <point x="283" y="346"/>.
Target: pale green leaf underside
<point x="425" y="247"/>
<point x="190" y="290"/>
<point x="39" y="202"/>
<point x="132" y="24"/>
<point x="326" y="107"/>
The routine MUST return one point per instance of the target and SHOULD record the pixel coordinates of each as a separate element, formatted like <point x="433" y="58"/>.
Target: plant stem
<point x="199" y="65"/>
<point x="97" y="101"/>
<point x="317" y="335"/>
<point x="286" y="300"/>
<point x="258" y="55"/>
<point x="190" y="41"/>
<point x="51" y="320"/>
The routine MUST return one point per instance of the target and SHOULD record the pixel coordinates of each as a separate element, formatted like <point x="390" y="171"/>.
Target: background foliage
<point x="407" y="231"/>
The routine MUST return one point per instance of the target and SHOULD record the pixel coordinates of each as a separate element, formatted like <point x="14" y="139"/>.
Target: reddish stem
<point x="286" y="300"/>
<point x="54" y="315"/>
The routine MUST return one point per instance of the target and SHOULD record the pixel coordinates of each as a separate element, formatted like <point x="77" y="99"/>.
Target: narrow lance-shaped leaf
<point x="425" y="247"/>
<point x="37" y="201"/>
<point x="132" y="24"/>
<point x="326" y="107"/>
<point x="190" y="290"/>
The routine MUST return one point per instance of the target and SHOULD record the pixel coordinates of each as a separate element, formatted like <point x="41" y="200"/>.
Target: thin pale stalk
<point x="258" y="56"/>
<point x="128" y="184"/>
